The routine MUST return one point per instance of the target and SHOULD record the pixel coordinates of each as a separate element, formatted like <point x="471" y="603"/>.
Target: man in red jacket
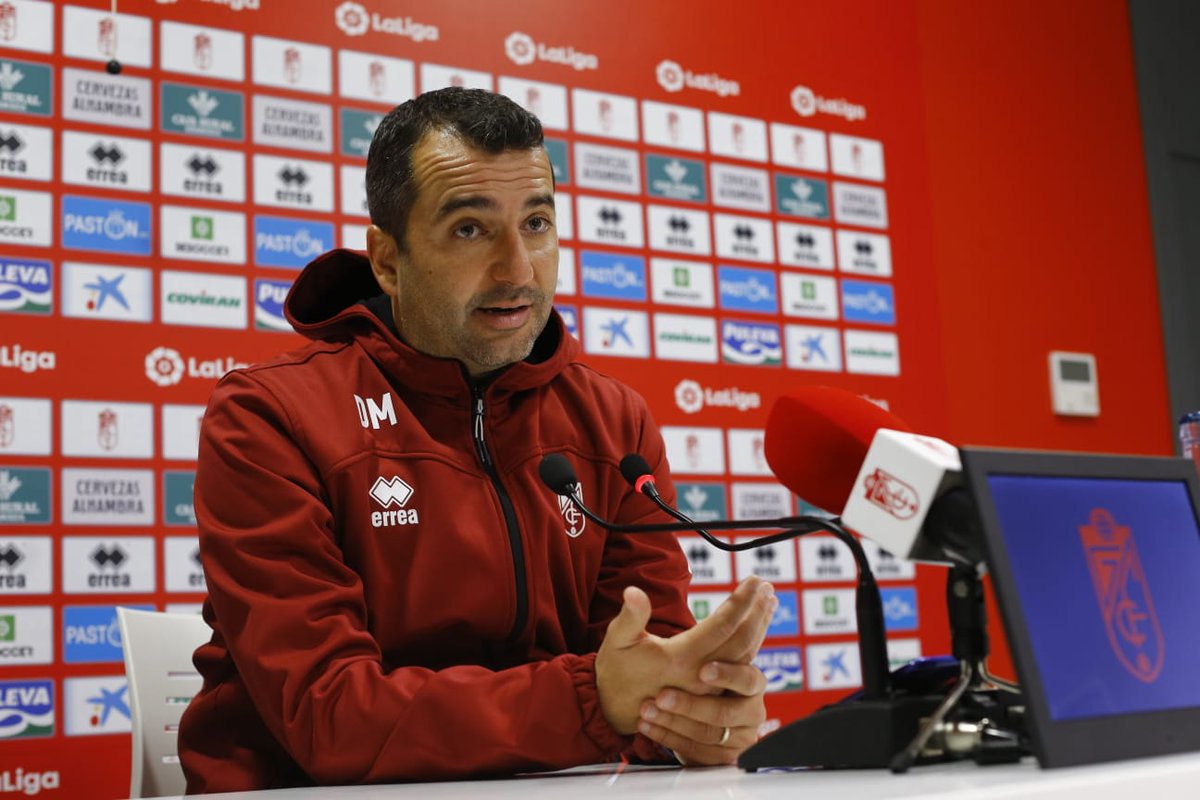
<point x="394" y="595"/>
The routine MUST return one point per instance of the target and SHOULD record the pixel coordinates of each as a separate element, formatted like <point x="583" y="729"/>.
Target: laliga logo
<point x="164" y="366"/>
<point x="670" y="76"/>
<point x="352" y="19"/>
<point x="689" y="396"/>
<point x="520" y="48"/>
<point x="804" y="101"/>
<point x="891" y="494"/>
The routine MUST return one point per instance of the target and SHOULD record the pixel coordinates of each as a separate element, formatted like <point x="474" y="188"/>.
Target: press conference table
<point x="1147" y="779"/>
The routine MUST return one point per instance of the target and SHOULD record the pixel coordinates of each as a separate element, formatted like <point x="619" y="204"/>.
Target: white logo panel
<point x="610" y="169"/>
<point x="829" y="611"/>
<point x="88" y="97"/>
<point x="737" y="137"/>
<point x="864" y="253"/>
<point x="744" y="238"/>
<point x="96" y="706"/>
<point x="870" y="353"/>
<point x="902" y="651"/>
<point x="208" y="173"/>
<point x="860" y="205"/>
<point x="182" y="570"/>
<point x="366" y="76"/>
<point x="26" y="635"/>
<point x="106" y="162"/>
<point x="886" y="566"/>
<point x="809" y="296"/>
<point x="546" y="101"/>
<point x="354" y="236"/>
<point x="203" y="299"/>
<point x="834" y="666"/>
<point x="103" y="565"/>
<point x="668" y="125"/>
<point x="681" y="283"/>
<point x="96" y="291"/>
<point x="292" y="65"/>
<point x="771" y="562"/>
<point x="708" y="564"/>
<point x="566" y="272"/>
<point x="760" y="500"/>
<point x="683" y="337"/>
<point x="439" y="76"/>
<point x="611" y="116"/>
<point x="808" y="246"/>
<point x="824" y="559"/>
<point x="564" y="220"/>
<point x="26" y="152"/>
<point x="107" y="496"/>
<point x="181" y="431"/>
<point x="201" y="234"/>
<point x="679" y="230"/>
<point x="293" y="124"/>
<point x="26" y="565"/>
<point x="107" y="430"/>
<point x="813" y="348"/>
<point x="746" y="456"/>
<point x="24" y="427"/>
<point x="354" y="191"/>
<point x="97" y="35"/>
<point x="32" y="24"/>
<point x="293" y="183"/>
<point x="695" y="451"/>
<point x="24" y="217"/>
<point x="740" y="187"/>
<point x="193" y="50"/>
<point x="800" y="148"/>
<point x="855" y="157"/>
<point x="616" y="332"/>
<point x="615" y="222"/>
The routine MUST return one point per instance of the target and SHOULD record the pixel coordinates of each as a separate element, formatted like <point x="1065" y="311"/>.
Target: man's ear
<point x="385" y="258"/>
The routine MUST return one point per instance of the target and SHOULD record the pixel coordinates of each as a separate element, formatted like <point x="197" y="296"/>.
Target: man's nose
<point x="510" y="261"/>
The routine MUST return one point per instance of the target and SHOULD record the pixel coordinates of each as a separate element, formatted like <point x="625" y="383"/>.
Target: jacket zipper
<point x="510" y="517"/>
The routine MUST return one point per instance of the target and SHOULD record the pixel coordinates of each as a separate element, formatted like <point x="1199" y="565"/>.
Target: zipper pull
<point x="480" y="445"/>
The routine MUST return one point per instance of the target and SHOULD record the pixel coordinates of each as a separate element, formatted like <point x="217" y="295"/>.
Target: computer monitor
<point x="1096" y="566"/>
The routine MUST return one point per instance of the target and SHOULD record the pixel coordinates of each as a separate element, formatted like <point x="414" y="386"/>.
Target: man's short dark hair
<point x="487" y="121"/>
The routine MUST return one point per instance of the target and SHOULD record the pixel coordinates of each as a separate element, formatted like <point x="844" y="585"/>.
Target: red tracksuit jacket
<point x="393" y="592"/>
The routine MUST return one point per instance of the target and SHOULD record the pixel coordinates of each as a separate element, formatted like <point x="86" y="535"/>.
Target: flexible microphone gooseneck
<point x="558" y="474"/>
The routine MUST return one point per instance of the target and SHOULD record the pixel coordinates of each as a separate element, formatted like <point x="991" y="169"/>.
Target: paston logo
<point x="674" y="78"/>
<point x="353" y="19"/>
<point x="389" y="492"/>
<point x="26" y="286"/>
<point x="165" y="366"/>
<point x="106" y="225"/>
<point x="1123" y="594"/>
<point x="806" y="102"/>
<point x="292" y="243"/>
<point x="691" y="397"/>
<point x="522" y="50"/>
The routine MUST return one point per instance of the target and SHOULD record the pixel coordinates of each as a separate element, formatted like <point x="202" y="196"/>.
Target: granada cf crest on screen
<point x="1123" y="594"/>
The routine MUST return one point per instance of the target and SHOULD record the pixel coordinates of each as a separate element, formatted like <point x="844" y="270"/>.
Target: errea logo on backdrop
<point x="393" y="494"/>
<point x="522" y="50"/>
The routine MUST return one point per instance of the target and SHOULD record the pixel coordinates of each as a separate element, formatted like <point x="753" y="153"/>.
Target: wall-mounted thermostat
<point x="1074" y="389"/>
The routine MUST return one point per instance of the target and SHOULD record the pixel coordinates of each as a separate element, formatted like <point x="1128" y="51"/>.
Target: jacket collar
<point x="325" y="304"/>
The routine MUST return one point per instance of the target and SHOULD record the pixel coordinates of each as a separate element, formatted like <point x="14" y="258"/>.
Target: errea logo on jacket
<point x="393" y="494"/>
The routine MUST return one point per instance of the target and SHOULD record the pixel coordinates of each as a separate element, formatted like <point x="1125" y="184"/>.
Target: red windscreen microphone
<point x="816" y="439"/>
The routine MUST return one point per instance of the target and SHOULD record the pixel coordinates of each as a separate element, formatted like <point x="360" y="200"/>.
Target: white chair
<point x="162" y="681"/>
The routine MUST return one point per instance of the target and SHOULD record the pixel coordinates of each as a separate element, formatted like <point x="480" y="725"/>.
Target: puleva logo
<point x="1123" y="594"/>
<point x="26" y="709"/>
<point x="393" y="494"/>
<point x="751" y="343"/>
<point x="108" y="226"/>
<point x="522" y="50"/>
<point x="26" y="286"/>
<point x="268" y="305"/>
<point x="674" y="78"/>
<point x="354" y="20"/>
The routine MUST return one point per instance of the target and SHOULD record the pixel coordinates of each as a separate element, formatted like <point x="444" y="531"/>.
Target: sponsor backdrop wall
<point x="747" y="201"/>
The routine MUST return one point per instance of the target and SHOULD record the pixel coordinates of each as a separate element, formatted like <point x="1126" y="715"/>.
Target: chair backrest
<point x="162" y="681"/>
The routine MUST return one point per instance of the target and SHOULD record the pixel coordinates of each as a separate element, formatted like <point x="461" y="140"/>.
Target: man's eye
<point x="539" y="224"/>
<point x="467" y="231"/>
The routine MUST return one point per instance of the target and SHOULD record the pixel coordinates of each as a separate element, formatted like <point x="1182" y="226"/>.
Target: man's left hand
<point x="694" y="726"/>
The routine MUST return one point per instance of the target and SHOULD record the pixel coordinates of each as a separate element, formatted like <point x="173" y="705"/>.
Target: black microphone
<point x="868" y="604"/>
<point x="559" y="476"/>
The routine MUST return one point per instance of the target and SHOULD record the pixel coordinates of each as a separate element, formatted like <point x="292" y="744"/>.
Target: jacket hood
<point x="326" y="304"/>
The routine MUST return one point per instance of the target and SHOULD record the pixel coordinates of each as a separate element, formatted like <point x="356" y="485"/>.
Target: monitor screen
<point x="1107" y="574"/>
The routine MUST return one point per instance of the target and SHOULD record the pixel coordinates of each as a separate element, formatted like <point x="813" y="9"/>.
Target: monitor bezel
<point x="1061" y="743"/>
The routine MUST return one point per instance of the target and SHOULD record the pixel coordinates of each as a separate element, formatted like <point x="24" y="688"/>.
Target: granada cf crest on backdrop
<point x="1123" y="594"/>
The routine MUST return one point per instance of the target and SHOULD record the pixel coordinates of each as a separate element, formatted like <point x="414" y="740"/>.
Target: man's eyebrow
<point x="469" y="201"/>
<point x="543" y="199"/>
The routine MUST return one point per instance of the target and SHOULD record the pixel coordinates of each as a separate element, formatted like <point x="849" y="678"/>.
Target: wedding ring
<point x="724" y="736"/>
